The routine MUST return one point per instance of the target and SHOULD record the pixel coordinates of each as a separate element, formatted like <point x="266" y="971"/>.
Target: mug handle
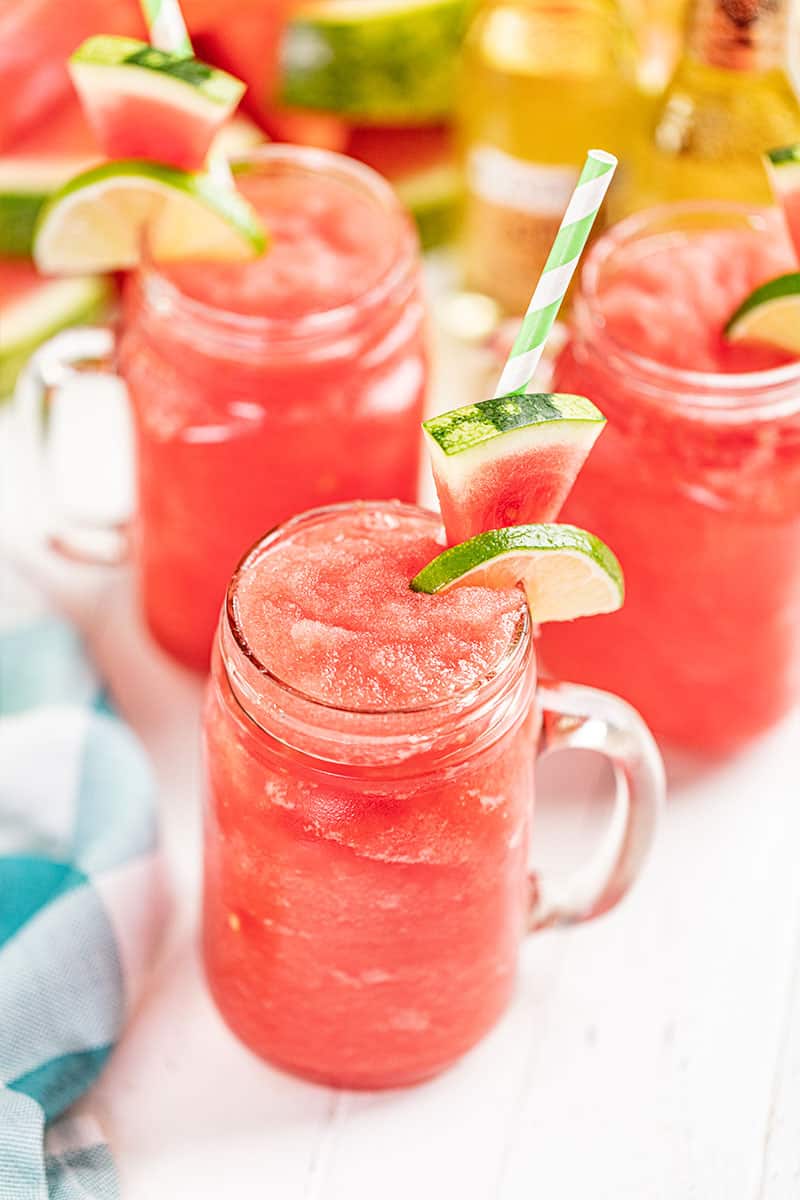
<point x="577" y="717"/>
<point x="65" y="357"/>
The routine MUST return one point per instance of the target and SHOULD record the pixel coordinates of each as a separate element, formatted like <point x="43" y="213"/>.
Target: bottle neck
<point x="739" y="35"/>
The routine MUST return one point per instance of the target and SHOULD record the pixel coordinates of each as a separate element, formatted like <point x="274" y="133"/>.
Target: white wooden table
<point x="653" y="1055"/>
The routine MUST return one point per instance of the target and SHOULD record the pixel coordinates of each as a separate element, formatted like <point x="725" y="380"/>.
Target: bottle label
<point x="514" y="210"/>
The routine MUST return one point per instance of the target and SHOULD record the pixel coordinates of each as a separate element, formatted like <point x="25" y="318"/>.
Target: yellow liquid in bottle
<point x="729" y="101"/>
<point x="542" y="83"/>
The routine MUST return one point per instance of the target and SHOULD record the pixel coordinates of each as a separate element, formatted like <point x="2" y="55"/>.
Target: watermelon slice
<point x="36" y="39"/>
<point x="145" y="103"/>
<point x="783" y="166"/>
<point x="376" y="61"/>
<point x="42" y="162"/>
<point x="32" y="309"/>
<point x="35" y="167"/>
<point x="509" y="461"/>
<point x="420" y="162"/>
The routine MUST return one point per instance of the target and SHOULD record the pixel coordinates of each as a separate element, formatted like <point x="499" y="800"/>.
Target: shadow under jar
<point x="366" y="859"/>
<point x="695" y="482"/>
<point x="262" y="389"/>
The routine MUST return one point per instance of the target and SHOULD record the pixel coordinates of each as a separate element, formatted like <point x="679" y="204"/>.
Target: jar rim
<point x="462" y="701"/>
<point x="252" y="331"/>
<point x="723" y="393"/>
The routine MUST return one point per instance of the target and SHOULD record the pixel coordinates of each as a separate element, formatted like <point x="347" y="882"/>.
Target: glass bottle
<point x="730" y="99"/>
<point x="542" y="83"/>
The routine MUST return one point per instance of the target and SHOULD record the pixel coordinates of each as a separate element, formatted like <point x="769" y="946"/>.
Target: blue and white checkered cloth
<point x="82" y="902"/>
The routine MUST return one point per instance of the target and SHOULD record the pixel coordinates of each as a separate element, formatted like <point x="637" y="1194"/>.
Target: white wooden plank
<point x="638" y="1058"/>
<point x="780" y="1178"/>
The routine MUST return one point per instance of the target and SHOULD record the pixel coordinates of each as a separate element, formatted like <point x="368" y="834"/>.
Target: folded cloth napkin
<point x="82" y="900"/>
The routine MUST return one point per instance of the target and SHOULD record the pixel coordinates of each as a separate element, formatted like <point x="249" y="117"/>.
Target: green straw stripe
<point x="569" y="242"/>
<point x="535" y="328"/>
<point x="593" y="168"/>
<point x="573" y="233"/>
<point x="166" y="26"/>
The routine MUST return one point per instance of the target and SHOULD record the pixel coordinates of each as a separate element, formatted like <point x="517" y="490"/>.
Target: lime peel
<point x="770" y="315"/>
<point x="98" y="220"/>
<point x="566" y="572"/>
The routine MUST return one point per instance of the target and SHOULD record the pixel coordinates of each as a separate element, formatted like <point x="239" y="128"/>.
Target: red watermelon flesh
<point x="145" y="127"/>
<point x="36" y="39"/>
<point x="514" y="490"/>
<point x="401" y="150"/>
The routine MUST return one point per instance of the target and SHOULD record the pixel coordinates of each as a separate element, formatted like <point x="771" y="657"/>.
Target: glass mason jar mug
<point x="695" y="482"/>
<point x="260" y="389"/>
<point x="366" y="877"/>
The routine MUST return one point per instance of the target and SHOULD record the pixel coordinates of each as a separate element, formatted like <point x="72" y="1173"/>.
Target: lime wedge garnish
<point x="566" y="572"/>
<point x="102" y="219"/>
<point x="770" y="315"/>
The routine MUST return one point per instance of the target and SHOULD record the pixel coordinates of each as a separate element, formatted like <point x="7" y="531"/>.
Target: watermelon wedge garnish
<point x="143" y="102"/>
<point x="32" y="309"/>
<point x="783" y="167"/>
<point x="509" y="461"/>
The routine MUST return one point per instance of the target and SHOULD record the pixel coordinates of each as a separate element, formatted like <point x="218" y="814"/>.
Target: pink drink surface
<point x="703" y="511"/>
<point x="671" y="301"/>
<point x="361" y="922"/>
<point x="272" y="387"/>
<point x="333" y="615"/>
<point x="327" y="247"/>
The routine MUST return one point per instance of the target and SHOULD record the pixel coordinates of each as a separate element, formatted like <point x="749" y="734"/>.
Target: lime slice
<point x="384" y="61"/>
<point x="509" y="461"/>
<point x="145" y="103"/>
<point x="770" y="314"/>
<point x="566" y="572"/>
<point x="100" y="220"/>
<point x="33" y="309"/>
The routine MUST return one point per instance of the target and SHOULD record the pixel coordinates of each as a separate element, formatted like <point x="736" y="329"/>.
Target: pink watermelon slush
<point x="365" y="869"/>
<point x="263" y="389"/>
<point x="695" y="481"/>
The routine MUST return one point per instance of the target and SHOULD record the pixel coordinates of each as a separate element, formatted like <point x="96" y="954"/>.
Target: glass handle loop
<point x="57" y="363"/>
<point x="577" y="717"/>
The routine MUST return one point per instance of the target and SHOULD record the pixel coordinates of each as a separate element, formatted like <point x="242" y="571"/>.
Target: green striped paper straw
<point x="167" y="27"/>
<point x="573" y="233"/>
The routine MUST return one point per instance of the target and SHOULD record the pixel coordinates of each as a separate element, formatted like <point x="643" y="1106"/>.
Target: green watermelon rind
<point x="475" y="425"/>
<point x="26" y="184"/>
<point x="784" y="156"/>
<point x="457" y="561"/>
<point x="179" y="79"/>
<point x="90" y="300"/>
<point x="433" y="197"/>
<point x="385" y="65"/>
